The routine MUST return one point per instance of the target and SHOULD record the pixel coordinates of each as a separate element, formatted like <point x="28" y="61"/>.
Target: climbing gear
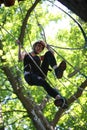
<point x="60" y="69"/>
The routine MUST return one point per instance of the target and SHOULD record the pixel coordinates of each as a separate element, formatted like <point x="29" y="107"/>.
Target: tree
<point x="22" y="108"/>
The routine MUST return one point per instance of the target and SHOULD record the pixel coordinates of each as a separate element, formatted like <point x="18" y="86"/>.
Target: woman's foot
<point x="61" y="102"/>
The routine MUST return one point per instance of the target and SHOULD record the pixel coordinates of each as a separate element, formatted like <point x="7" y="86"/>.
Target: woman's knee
<point x="28" y="80"/>
<point x="48" y="54"/>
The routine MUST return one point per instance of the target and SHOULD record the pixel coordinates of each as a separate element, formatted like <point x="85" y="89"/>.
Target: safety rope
<point x="67" y="48"/>
<point x="42" y="32"/>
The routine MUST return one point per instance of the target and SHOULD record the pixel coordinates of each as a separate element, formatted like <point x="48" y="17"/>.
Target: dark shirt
<point x="29" y="65"/>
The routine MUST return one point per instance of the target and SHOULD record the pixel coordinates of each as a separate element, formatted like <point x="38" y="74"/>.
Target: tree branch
<point x="78" y="93"/>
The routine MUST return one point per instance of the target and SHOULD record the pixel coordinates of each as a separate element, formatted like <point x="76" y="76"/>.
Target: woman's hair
<point x="39" y="42"/>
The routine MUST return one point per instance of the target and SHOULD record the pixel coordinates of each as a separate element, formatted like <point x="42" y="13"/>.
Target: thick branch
<point x="78" y="93"/>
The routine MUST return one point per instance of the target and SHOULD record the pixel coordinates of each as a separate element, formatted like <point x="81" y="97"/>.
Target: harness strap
<point x="26" y="73"/>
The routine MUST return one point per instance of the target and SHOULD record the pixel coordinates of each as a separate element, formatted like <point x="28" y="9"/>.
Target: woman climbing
<point x="36" y="69"/>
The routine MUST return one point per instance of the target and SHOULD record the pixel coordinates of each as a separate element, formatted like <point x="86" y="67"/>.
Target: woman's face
<point x="38" y="48"/>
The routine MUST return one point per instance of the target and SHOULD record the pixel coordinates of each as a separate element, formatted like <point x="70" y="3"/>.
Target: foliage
<point x="14" y="114"/>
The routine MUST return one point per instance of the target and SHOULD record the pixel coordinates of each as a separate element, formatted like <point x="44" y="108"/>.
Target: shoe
<point x="60" y="69"/>
<point x="61" y="102"/>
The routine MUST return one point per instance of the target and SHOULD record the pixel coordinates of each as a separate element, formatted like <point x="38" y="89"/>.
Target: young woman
<point x="36" y="69"/>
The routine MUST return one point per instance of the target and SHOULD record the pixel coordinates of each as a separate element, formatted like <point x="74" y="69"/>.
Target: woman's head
<point x="38" y="46"/>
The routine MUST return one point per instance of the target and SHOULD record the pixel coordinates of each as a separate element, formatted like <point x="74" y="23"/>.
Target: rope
<point x="79" y="48"/>
<point x="41" y="27"/>
<point x="8" y="32"/>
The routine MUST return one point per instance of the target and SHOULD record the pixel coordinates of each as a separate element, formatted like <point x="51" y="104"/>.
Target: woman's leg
<point x="34" y="79"/>
<point x="49" y="59"/>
